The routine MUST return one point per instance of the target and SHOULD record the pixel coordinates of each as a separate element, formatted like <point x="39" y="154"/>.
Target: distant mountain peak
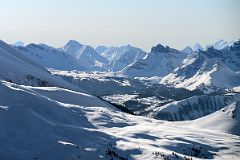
<point x="101" y="49"/>
<point x="197" y="47"/>
<point x="187" y="50"/>
<point x="236" y="46"/>
<point x="18" y="44"/>
<point x="73" y="43"/>
<point x="72" y="47"/>
<point x="160" y="48"/>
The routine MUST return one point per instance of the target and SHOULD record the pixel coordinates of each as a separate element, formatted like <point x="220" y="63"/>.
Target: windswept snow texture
<point x="54" y="123"/>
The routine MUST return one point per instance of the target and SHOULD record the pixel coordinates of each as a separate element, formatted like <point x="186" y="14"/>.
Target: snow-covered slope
<point x="49" y="57"/>
<point x="191" y="108"/>
<point x="121" y="57"/>
<point x="159" y="62"/>
<point x="207" y="70"/>
<point x="86" y="56"/>
<point x="138" y="96"/>
<point x="53" y="123"/>
<point x="17" y="68"/>
<point x="56" y="123"/>
<point x="225" y="120"/>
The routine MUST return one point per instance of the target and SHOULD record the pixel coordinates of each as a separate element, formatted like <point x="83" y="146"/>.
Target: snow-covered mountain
<point x="18" y="43"/>
<point x="120" y="57"/>
<point x="197" y="47"/>
<point x="159" y="62"/>
<point x="221" y="44"/>
<point x="17" y="68"/>
<point x="86" y="56"/>
<point x="49" y="57"/>
<point x="191" y="108"/>
<point x="58" y="120"/>
<point x="208" y="70"/>
<point x="187" y="68"/>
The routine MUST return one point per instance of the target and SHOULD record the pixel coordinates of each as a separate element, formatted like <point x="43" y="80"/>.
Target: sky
<point x="141" y="23"/>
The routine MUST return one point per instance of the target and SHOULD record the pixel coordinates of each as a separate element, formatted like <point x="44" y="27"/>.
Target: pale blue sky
<point x="142" y="23"/>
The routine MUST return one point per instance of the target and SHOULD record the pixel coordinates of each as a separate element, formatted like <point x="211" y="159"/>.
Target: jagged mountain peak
<point x="73" y="43"/>
<point x="72" y="47"/>
<point x="160" y="48"/>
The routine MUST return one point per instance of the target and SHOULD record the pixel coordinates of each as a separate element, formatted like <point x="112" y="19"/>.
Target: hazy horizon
<point x="140" y="23"/>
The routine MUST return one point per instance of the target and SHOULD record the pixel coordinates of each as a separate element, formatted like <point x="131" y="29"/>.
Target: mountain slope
<point x="160" y="62"/>
<point x="49" y="57"/>
<point x="42" y="125"/>
<point x="191" y="108"/>
<point x="86" y="56"/>
<point x="204" y="70"/>
<point x="17" y="68"/>
<point x="121" y="57"/>
<point x="56" y="123"/>
<point x="225" y="120"/>
<point x="219" y="45"/>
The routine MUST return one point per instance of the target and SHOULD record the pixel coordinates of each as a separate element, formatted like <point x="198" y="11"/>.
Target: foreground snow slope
<point x="55" y="123"/>
<point x="225" y="120"/>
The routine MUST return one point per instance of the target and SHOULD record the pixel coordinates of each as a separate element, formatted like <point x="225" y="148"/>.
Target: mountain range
<point x="80" y="102"/>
